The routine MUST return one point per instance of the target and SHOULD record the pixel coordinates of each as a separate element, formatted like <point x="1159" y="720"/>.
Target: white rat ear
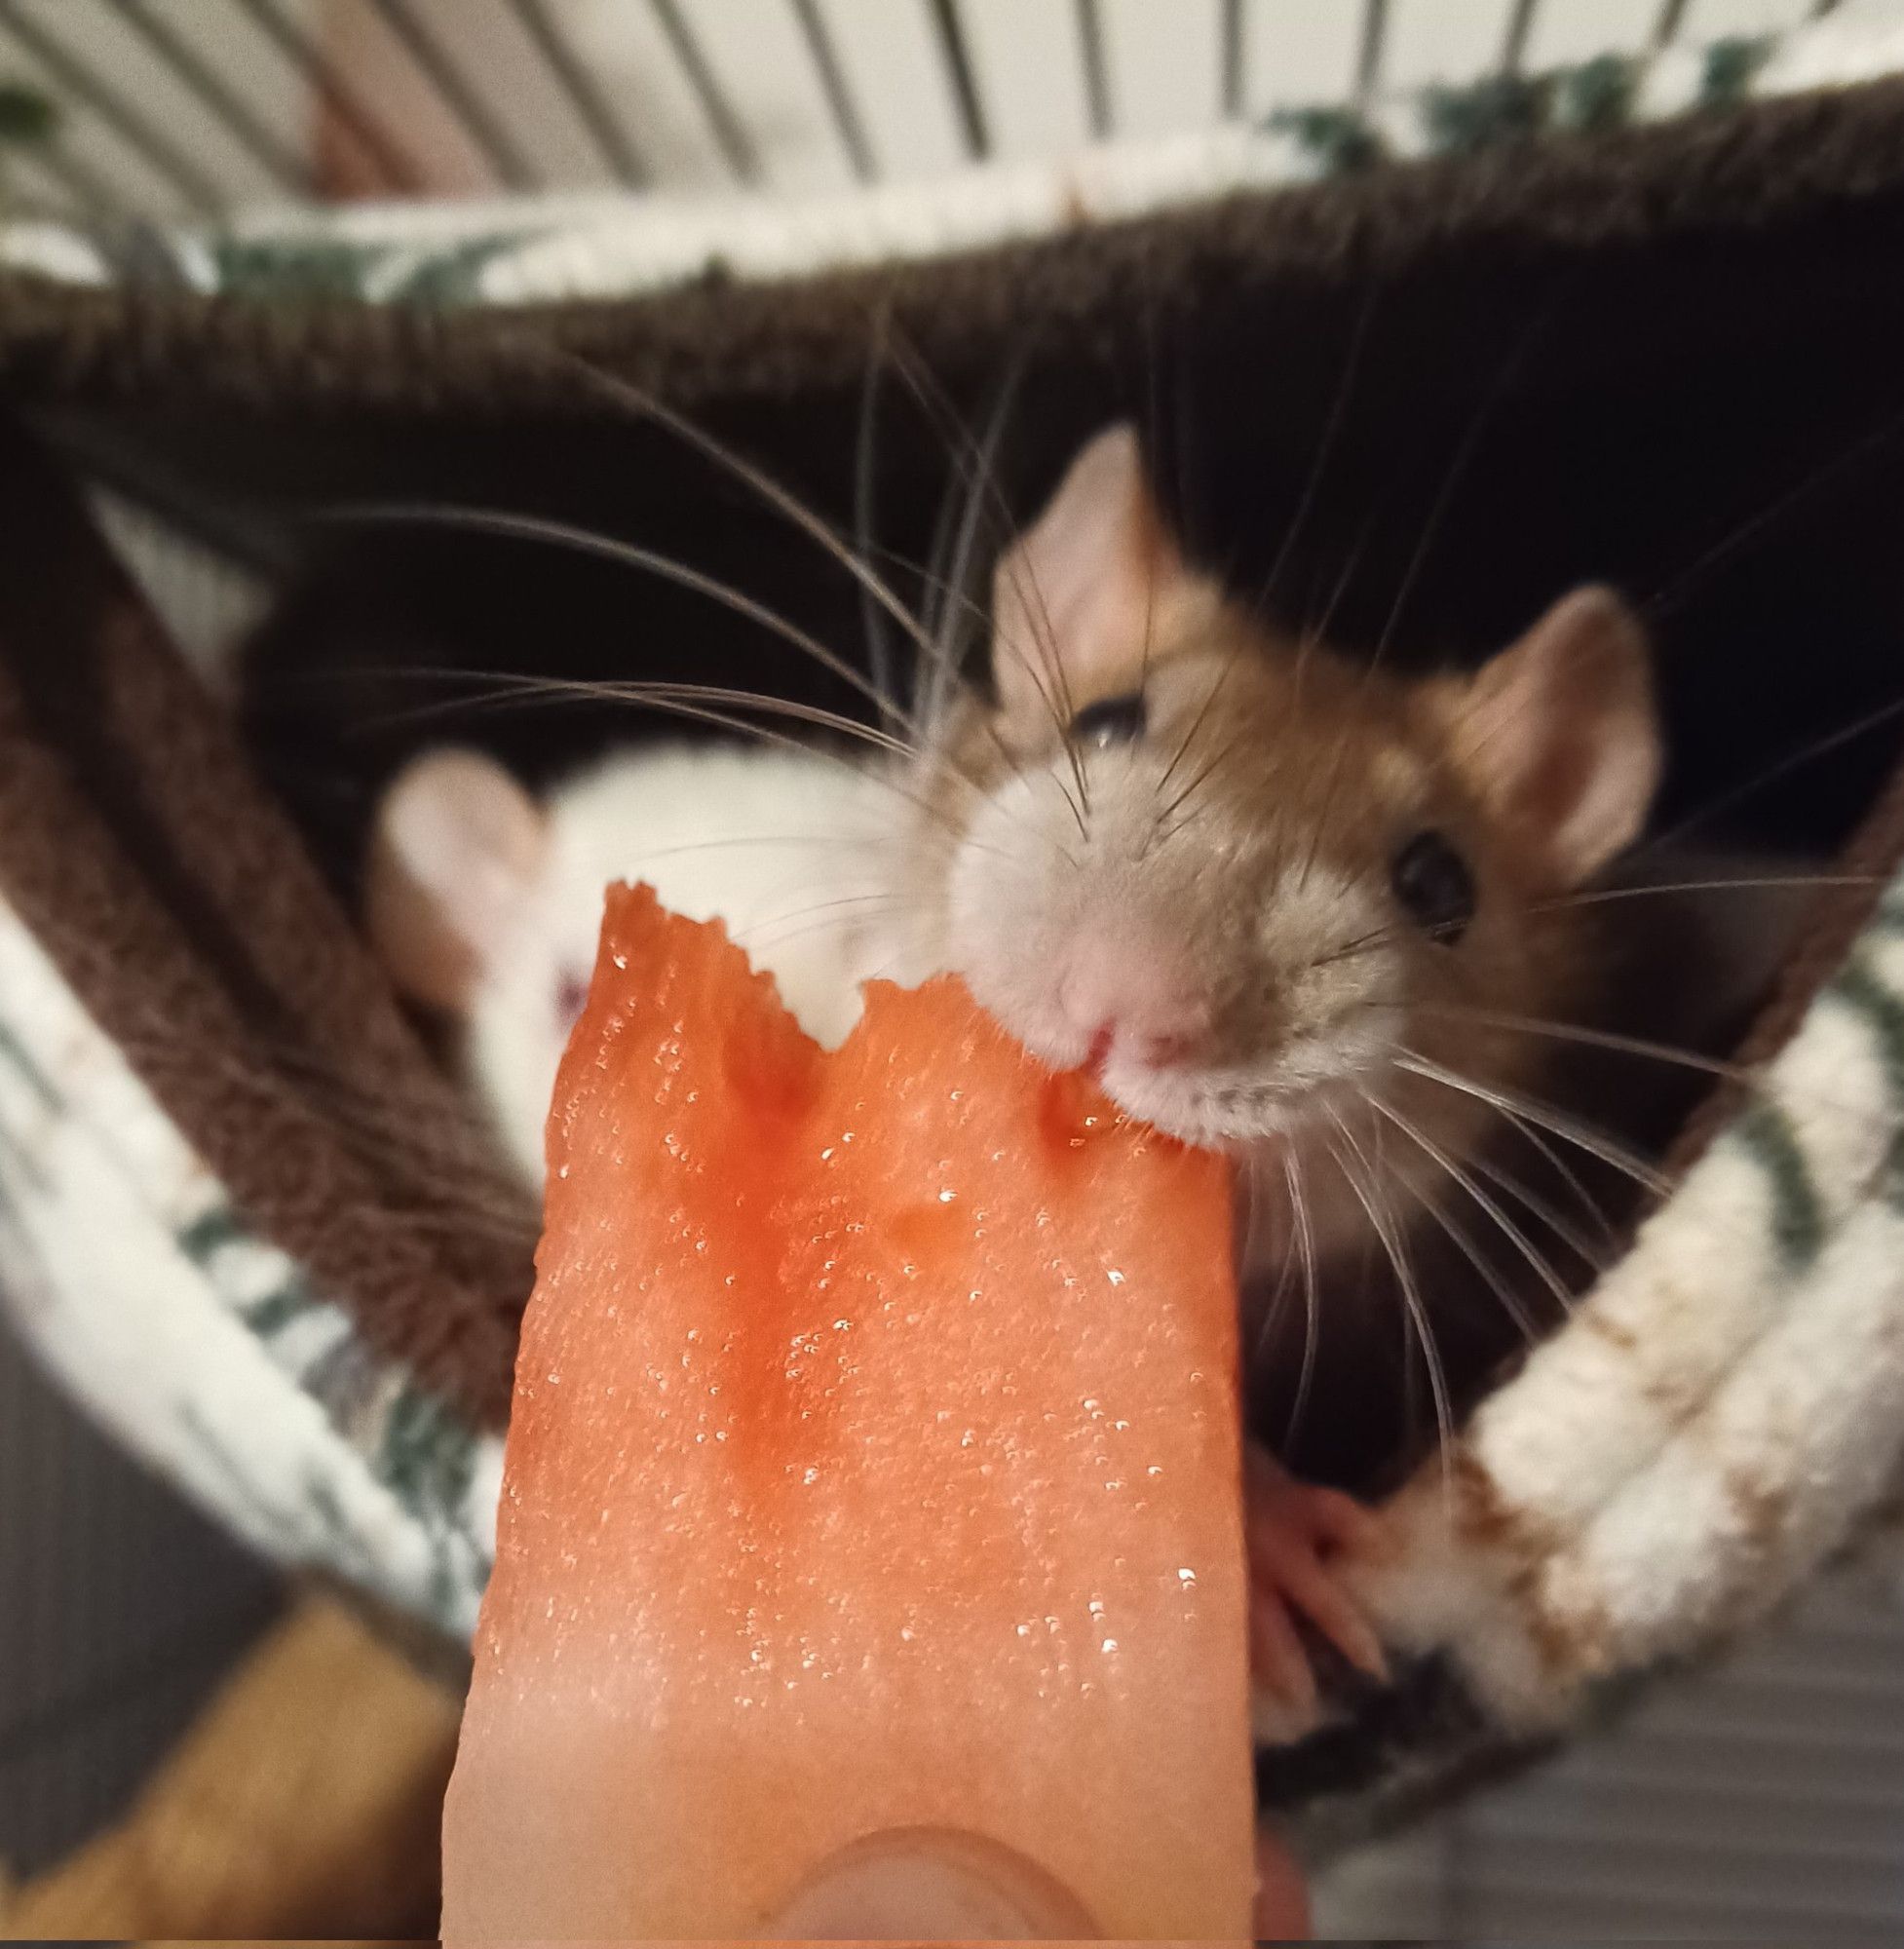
<point x="1560" y="733"/>
<point x="457" y="845"/>
<point x="1075" y="600"/>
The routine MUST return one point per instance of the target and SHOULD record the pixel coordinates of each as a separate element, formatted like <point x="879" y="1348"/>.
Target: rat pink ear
<point x="1560" y="734"/>
<point x="457" y="846"/>
<point x="1074" y="602"/>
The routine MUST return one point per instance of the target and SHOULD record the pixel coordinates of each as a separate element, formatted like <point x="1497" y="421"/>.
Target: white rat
<point x="486" y="903"/>
<point x="1283" y="905"/>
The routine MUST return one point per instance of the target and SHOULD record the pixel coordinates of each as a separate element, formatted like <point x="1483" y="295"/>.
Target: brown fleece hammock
<point x="1665" y="357"/>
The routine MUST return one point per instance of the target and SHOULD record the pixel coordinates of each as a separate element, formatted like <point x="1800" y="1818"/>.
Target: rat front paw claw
<point x="1299" y="1537"/>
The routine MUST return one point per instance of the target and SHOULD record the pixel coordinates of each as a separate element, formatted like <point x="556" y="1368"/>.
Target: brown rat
<point x="1336" y="921"/>
<point x="1297" y="908"/>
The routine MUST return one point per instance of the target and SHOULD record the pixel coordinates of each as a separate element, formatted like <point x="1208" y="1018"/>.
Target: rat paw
<point x="1298" y="1538"/>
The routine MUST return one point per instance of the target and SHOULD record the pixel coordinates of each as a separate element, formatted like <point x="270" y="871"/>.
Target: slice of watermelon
<point x="874" y="1466"/>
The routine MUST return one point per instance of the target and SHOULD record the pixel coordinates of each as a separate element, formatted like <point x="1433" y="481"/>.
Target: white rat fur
<point x="782" y="845"/>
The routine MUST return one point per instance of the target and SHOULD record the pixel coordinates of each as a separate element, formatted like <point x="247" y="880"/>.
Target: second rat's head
<point x="1251" y="883"/>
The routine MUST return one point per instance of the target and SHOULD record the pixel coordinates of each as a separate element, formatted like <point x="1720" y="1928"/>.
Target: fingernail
<point x="931" y="1884"/>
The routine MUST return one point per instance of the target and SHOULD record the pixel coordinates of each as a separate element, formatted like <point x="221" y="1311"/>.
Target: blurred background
<point x="1765" y="1797"/>
<point x="183" y="109"/>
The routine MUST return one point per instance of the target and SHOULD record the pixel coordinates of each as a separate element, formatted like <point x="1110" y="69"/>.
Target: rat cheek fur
<point x="1003" y="902"/>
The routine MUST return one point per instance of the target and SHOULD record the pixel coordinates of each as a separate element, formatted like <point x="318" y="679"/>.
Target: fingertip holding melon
<point x="871" y="1541"/>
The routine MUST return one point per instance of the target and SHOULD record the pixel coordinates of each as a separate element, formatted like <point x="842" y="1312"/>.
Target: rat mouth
<point x="1097" y="1057"/>
<point x="1214" y="1111"/>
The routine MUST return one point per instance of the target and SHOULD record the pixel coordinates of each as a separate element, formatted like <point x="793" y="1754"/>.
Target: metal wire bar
<point x="591" y="109"/>
<point x="71" y="73"/>
<point x="1368" y="58"/>
<point x="1097" y="78"/>
<point x="1233" y="57"/>
<point x="1513" y="45"/>
<point x="283" y="164"/>
<point x="965" y="85"/>
<point x="92" y="194"/>
<point x="510" y="166"/>
<point x="741" y="156"/>
<point x="1671" y="14"/>
<point x="397" y="171"/>
<point x="41" y="195"/>
<point x="838" y="97"/>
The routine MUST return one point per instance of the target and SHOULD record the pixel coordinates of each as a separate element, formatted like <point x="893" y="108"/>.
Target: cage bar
<point x="76" y="76"/>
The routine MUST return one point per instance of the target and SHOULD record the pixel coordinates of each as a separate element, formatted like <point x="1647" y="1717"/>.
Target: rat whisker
<point x="1499" y="387"/>
<point x="1568" y="1176"/>
<point x="977" y="466"/>
<point x="1388" y="930"/>
<point x="946" y="575"/>
<point x="978" y="469"/>
<point x="508" y="690"/>
<point x="1793" y="761"/>
<point x="1459" y="1236"/>
<point x="1222" y="752"/>
<point x="1593" y="897"/>
<point x="874" y="619"/>
<point x="932" y="684"/>
<point x="1547" y="1212"/>
<point x="1309" y="640"/>
<point x="1518" y="1238"/>
<point x="1642" y="1047"/>
<point x="1304" y="1232"/>
<point x="750" y="840"/>
<point x="1873" y="440"/>
<point x="1248" y="1234"/>
<point x="1276" y="1299"/>
<point x="1255" y="1205"/>
<point x="777" y="930"/>
<point x="669" y="701"/>
<point x="1381" y="936"/>
<point x="586" y="541"/>
<point x="1544" y="1115"/>
<point x="1381" y="1217"/>
<point x="641" y="404"/>
<point x="1222" y="677"/>
<point x="1326" y="446"/>
<point x="1048" y="667"/>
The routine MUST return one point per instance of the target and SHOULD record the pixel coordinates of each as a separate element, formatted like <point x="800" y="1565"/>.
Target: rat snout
<point x="1134" y="996"/>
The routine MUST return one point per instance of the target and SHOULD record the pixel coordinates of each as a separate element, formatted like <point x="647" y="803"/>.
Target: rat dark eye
<point x="1431" y="880"/>
<point x="1113" y="720"/>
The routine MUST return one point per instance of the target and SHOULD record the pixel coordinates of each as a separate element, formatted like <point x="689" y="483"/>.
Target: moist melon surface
<point x="874" y="1465"/>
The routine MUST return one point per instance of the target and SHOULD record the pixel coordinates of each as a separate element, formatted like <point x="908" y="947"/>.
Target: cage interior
<point x="1408" y="412"/>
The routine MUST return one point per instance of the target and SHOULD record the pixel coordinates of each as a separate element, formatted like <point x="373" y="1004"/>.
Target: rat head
<point x="1251" y="883"/>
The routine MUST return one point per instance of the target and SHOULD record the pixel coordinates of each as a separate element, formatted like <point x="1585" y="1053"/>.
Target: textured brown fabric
<point x="177" y="902"/>
<point x="716" y="340"/>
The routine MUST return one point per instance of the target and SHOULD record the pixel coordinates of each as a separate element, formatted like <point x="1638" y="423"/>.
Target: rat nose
<point x="1134" y="995"/>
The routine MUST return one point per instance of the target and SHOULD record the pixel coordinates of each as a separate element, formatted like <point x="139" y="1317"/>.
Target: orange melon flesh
<point x="874" y="1465"/>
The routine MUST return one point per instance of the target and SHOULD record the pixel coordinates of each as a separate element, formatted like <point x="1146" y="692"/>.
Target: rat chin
<point x="1233" y="1113"/>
